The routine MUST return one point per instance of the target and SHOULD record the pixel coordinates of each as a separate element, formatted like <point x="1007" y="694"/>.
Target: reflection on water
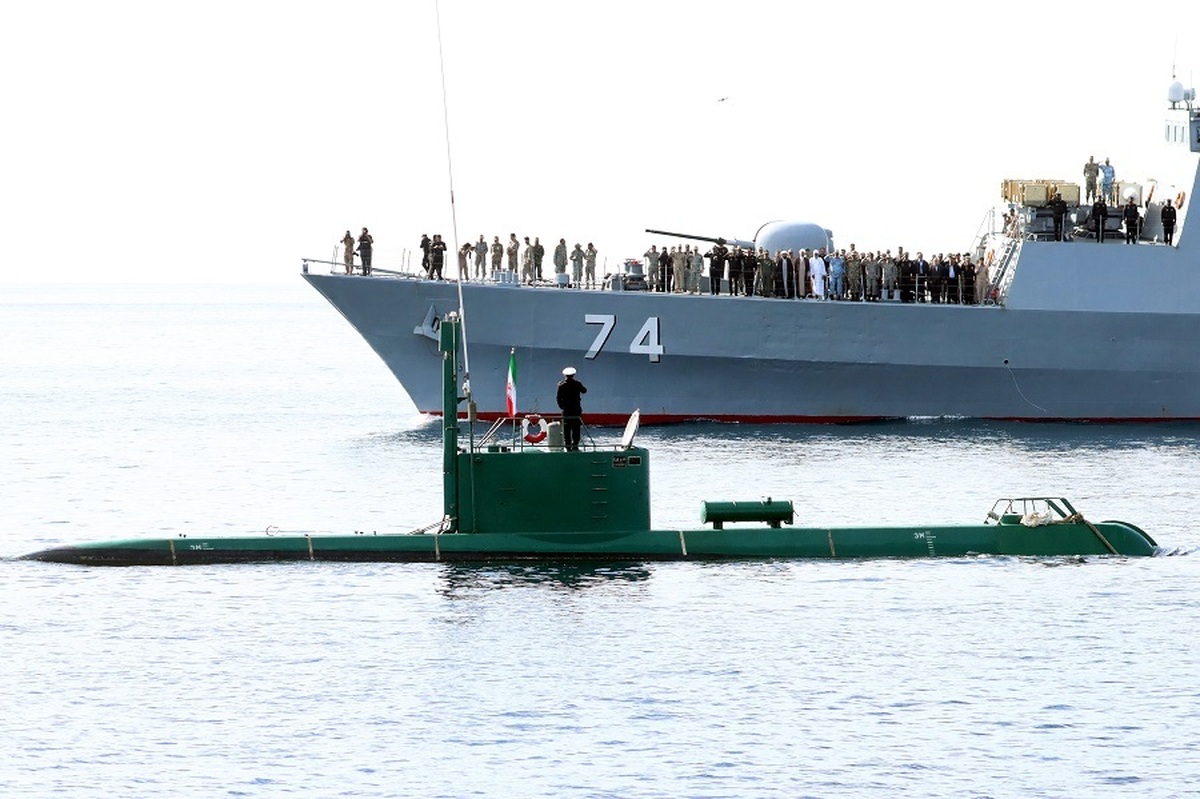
<point x="462" y="581"/>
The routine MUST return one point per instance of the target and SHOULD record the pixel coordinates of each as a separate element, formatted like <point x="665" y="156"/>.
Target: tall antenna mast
<point x="453" y="213"/>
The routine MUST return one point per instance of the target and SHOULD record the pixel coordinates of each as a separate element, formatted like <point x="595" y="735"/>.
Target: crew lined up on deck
<point x="807" y="274"/>
<point x="815" y="274"/>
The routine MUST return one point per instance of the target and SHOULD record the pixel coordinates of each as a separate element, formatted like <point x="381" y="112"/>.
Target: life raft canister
<point x="533" y="420"/>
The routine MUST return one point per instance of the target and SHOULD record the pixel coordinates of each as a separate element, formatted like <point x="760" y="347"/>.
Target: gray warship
<point x="1076" y="330"/>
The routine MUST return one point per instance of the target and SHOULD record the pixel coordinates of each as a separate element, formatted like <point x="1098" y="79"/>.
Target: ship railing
<point x="339" y="268"/>
<point x="1033" y="511"/>
<point x="519" y="441"/>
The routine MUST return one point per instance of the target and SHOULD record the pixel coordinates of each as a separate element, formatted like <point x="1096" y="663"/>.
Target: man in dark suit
<point x="1168" y="222"/>
<point x="1100" y="217"/>
<point x="922" y="274"/>
<point x="1058" y="210"/>
<point x="1131" y="216"/>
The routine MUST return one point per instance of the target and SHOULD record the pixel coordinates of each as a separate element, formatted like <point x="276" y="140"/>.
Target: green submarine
<point x="497" y="508"/>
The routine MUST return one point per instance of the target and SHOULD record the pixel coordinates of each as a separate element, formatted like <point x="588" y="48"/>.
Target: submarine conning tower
<point x="502" y="488"/>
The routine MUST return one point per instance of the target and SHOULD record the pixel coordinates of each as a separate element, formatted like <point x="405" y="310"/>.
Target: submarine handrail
<point x="1055" y="510"/>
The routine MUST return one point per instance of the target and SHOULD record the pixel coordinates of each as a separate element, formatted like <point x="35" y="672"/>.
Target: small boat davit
<point x="497" y="508"/>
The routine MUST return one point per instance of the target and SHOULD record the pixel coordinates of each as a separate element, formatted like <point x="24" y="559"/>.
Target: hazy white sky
<point x="224" y="141"/>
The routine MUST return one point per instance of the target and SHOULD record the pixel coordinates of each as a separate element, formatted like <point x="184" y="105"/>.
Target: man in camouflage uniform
<point x="513" y="247"/>
<point x="589" y="265"/>
<point x="854" y="274"/>
<point x="539" y="252"/>
<point x="527" y="263"/>
<point x="889" y="273"/>
<point x="872" y="273"/>
<point x="576" y="265"/>
<point x="1091" y="171"/>
<point x="651" y="268"/>
<point x="679" y="261"/>
<point x="497" y="254"/>
<point x="348" y="252"/>
<point x="560" y="257"/>
<point x="481" y="250"/>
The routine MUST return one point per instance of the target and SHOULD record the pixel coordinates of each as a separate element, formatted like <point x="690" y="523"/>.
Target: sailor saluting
<point x="570" y="392"/>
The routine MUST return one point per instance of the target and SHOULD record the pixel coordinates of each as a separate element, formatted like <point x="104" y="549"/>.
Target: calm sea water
<point x="161" y="410"/>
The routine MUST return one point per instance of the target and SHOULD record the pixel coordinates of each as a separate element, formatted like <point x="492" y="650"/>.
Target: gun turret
<point x="772" y="237"/>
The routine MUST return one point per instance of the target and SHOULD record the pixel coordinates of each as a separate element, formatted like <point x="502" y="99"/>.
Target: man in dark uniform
<point x="1058" y="209"/>
<point x="365" y="243"/>
<point x="437" y="257"/>
<point x="425" y="245"/>
<point x="716" y="265"/>
<point x="1099" y="216"/>
<point x="1168" y="222"/>
<point x="905" y="277"/>
<point x="1131" y="216"/>
<point x="570" y="392"/>
<point x="735" y="271"/>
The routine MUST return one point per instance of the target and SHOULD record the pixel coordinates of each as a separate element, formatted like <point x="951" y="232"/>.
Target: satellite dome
<point x="1175" y="93"/>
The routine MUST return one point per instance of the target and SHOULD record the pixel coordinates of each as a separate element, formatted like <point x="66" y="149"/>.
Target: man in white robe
<point x="816" y="267"/>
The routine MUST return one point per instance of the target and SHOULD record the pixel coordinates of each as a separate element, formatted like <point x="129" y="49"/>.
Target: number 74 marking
<point x="648" y="340"/>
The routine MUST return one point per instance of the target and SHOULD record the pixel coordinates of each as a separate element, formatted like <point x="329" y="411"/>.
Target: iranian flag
<point x="510" y="389"/>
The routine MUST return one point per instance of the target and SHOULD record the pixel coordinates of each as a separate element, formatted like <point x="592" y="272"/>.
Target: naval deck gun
<point x="772" y="236"/>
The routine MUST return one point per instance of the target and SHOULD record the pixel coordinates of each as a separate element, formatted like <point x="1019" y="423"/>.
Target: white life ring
<point x="533" y="420"/>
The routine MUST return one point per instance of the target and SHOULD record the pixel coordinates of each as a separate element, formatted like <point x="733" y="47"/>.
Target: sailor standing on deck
<point x="497" y="253"/>
<point x="513" y="247"/>
<point x="716" y="266"/>
<point x="569" y="397"/>
<point x="1107" y="176"/>
<point x="539" y="252"/>
<point x="481" y="251"/>
<point x="560" y="257"/>
<point x="679" y="263"/>
<point x="1168" y="223"/>
<point x="577" y="265"/>
<point x="348" y="252"/>
<point x="1131" y="217"/>
<point x="365" y="242"/>
<point x="589" y="265"/>
<point x="437" y="256"/>
<point x="1058" y="210"/>
<point x="651" y="256"/>
<point x="527" y="262"/>
<point x="1091" y="170"/>
<point x="1100" y="217"/>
